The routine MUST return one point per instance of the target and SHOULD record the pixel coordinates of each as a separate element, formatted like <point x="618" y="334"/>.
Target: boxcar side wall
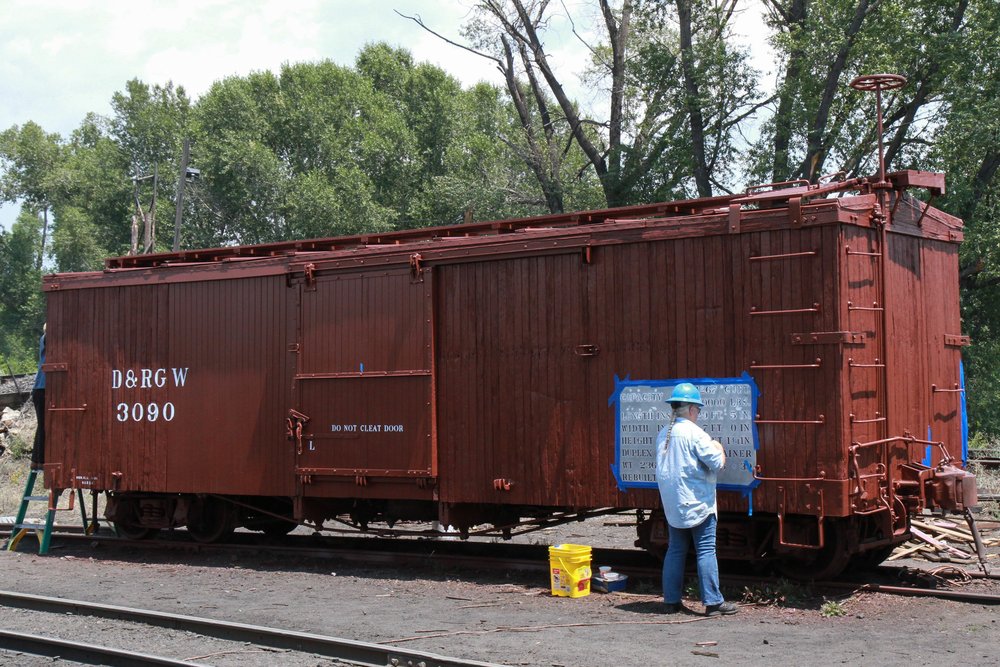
<point x="925" y="350"/>
<point x="180" y="387"/>
<point x="529" y="347"/>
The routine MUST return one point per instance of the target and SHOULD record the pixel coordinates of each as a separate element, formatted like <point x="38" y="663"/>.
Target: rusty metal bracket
<point x="852" y="364"/>
<point x="795" y="212"/>
<point x="55" y="368"/>
<point x="955" y="390"/>
<point x="502" y="484"/>
<point x="923" y="213"/>
<point x="53" y="408"/>
<point x="733" y="221"/>
<point x="957" y="340"/>
<point x="861" y="253"/>
<point x="587" y="350"/>
<point x="309" y="271"/>
<point x="874" y="306"/>
<point x="587" y="254"/>
<point x="781" y="524"/>
<point x="293" y="427"/>
<point x="417" y="267"/>
<point x="854" y="420"/>
<point x="828" y="338"/>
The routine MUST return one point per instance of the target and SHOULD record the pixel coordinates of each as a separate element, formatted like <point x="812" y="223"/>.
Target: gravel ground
<point x="501" y="617"/>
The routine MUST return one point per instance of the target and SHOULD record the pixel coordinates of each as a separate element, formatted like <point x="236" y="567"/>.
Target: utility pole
<point x="181" y="179"/>
<point x="149" y="236"/>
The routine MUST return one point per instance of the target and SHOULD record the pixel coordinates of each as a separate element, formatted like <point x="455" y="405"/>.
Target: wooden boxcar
<point x="478" y="374"/>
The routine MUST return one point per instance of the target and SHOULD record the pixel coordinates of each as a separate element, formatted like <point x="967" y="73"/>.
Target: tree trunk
<point x="693" y="102"/>
<point x="795" y="18"/>
<point x="45" y="233"/>
<point x="812" y="165"/>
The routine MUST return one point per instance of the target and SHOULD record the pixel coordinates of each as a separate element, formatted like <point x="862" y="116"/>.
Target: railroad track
<point x="504" y="557"/>
<point x="91" y="654"/>
<point x="346" y="650"/>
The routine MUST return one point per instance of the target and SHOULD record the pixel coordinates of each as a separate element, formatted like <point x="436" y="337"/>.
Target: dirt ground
<point x="507" y="618"/>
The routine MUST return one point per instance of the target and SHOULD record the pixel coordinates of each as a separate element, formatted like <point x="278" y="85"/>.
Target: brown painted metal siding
<point x="216" y="423"/>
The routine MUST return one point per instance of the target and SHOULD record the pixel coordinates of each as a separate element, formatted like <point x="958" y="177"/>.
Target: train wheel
<point x="209" y="519"/>
<point x="819" y="564"/>
<point x="127" y="523"/>
<point x="868" y="560"/>
<point x="132" y="531"/>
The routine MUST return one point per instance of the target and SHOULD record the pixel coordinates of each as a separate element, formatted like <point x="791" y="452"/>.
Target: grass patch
<point x="13" y="475"/>
<point x="19" y="448"/>
<point x="832" y="609"/>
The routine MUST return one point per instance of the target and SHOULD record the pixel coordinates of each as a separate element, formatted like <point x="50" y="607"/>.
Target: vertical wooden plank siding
<point x="231" y="338"/>
<point x="172" y="374"/>
<point x="514" y="385"/>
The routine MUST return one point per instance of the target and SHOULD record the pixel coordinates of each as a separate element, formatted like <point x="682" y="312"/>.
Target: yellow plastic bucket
<point x="569" y="567"/>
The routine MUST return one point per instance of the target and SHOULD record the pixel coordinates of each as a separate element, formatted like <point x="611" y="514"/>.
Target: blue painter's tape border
<point x="965" y="415"/>
<point x="627" y="381"/>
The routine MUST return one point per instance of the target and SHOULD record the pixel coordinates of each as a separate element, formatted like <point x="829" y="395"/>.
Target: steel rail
<point x="357" y="652"/>
<point x="376" y="551"/>
<point x="89" y="654"/>
<point x="961" y="596"/>
<point x="985" y="460"/>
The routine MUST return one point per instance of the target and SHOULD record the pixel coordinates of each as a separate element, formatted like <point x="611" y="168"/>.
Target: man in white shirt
<point x="687" y="464"/>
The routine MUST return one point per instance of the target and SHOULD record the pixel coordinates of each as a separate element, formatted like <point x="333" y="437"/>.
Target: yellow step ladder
<point x="43" y="531"/>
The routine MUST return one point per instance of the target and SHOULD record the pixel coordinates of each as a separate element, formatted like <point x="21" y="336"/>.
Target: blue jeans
<point x="708" y="567"/>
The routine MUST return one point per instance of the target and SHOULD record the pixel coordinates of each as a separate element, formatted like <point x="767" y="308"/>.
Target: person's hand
<point x="718" y="445"/>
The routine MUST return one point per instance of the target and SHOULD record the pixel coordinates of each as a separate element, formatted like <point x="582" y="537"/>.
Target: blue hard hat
<point x="686" y="392"/>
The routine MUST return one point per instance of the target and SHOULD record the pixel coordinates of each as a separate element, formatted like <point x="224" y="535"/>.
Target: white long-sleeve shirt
<point x="686" y="472"/>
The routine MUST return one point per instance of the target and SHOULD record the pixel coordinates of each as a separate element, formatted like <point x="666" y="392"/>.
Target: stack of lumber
<point x="940" y="540"/>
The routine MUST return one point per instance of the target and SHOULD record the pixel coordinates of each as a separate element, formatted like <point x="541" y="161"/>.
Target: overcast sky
<point x="60" y="59"/>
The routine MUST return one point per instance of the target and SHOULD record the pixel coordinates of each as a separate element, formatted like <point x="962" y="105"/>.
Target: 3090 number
<point x="150" y="412"/>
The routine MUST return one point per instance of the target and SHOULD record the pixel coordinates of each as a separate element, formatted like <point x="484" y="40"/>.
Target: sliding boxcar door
<point x="364" y="381"/>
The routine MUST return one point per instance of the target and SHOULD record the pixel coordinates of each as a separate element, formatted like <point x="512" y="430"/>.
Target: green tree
<point x="21" y="306"/>
<point x="674" y="100"/>
<point x="29" y="161"/>
<point x="149" y="125"/>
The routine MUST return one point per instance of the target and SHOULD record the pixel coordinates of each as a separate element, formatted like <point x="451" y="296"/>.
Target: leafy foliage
<point x="20" y="299"/>
<point x="832" y="609"/>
